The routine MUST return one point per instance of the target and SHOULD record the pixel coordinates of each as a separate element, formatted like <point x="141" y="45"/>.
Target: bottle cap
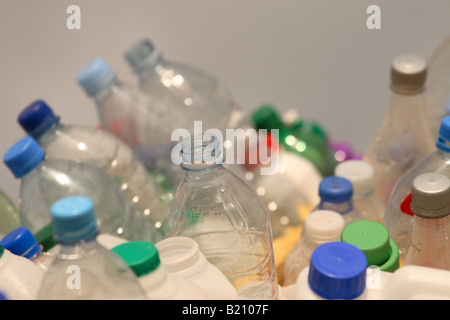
<point x="443" y="141"/>
<point x="337" y="271"/>
<point x="142" y="257"/>
<point x="324" y="226"/>
<point x="23" y="156"/>
<point x="141" y="55"/>
<point x="335" y="189"/>
<point x="431" y="195"/>
<point x="359" y="173"/>
<point x="96" y="76"/>
<point x="37" y="118"/>
<point x="408" y="73"/>
<point x="266" y="117"/>
<point x="1" y="250"/>
<point x="73" y="219"/>
<point x="370" y="237"/>
<point x="21" y="242"/>
<point x="46" y="237"/>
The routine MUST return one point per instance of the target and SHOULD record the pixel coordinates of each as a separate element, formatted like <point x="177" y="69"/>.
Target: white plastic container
<point x="181" y="256"/>
<point x="20" y="279"/>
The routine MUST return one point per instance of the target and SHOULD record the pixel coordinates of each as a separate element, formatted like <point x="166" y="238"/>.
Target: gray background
<point x="316" y="56"/>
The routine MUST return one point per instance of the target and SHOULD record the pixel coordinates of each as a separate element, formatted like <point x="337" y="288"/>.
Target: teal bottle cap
<point x="141" y="256"/>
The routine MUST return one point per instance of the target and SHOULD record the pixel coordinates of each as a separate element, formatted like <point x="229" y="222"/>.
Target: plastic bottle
<point x="190" y="92"/>
<point x="143" y="258"/>
<point x="398" y="217"/>
<point x="43" y="181"/>
<point x="321" y="226"/>
<point x="101" y="149"/>
<point x="21" y="242"/>
<point x="83" y="269"/>
<point x="404" y="138"/>
<point x="337" y="271"/>
<point x="430" y="238"/>
<point x="336" y="194"/>
<point x="20" y="279"/>
<point x="135" y="118"/>
<point x="181" y="256"/>
<point x="9" y="214"/>
<point x="225" y="217"/>
<point x="361" y="174"/>
<point x="373" y="239"/>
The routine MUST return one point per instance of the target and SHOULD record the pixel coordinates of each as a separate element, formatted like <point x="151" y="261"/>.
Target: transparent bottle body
<point x="430" y="243"/>
<point x="190" y="93"/>
<point x="9" y="215"/>
<point x="103" y="150"/>
<point x="88" y="271"/>
<point x="145" y="126"/>
<point x="54" y="179"/>
<point x="298" y="259"/>
<point x="231" y="226"/>
<point x="403" y="140"/>
<point x="396" y="221"/>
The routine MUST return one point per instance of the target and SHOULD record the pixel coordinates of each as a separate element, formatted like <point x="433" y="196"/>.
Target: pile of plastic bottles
<point x="179" y="194"/>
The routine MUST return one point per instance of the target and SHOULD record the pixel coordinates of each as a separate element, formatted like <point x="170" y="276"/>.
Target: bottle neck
<point x="341" y="207"/>
<point x="406" y="106"/>
<point x="107" y="91"/>
<point x="153" y="66"/>
<point x="49" y="133"/>
<point x="73" y="251"/>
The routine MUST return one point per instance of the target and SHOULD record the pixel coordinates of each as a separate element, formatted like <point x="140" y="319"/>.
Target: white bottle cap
<point x="360" y="173"/>
<point x="324" y="226"/>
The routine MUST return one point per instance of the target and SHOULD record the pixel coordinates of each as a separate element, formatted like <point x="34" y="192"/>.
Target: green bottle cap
<point x="1" y="251"/>
<point x="371" y="237"/>
<point x="266" y="117"/>
<point x="45" y="237"/>
<point x="141" y="256"/>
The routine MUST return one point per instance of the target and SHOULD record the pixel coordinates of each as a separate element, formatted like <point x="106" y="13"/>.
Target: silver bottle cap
<point x="408" y="73"/>
<point x="431" y="195"/>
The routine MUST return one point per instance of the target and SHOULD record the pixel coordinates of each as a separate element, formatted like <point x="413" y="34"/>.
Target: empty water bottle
<point x="143" y="258"/>
<point x="43" y="181"/>
<point x="83" y="269"/>
<point x="398" y="216"/>
<point x="9" y="214"/>
<point x="430" y="238"/>
<point x="187" y="91"/>
<point x="141" y="122"/>
<point x="404" y="138"/>
<point x="22" y="242"/>
<point x="101" y="149"/>
<point x="225" y="217"/>
<point x="336" y="194"/>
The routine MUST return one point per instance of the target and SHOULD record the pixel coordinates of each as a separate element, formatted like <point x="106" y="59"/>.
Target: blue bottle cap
<point x="21" y="242"/>
<point x="140" y="54"/>
<point x="335" y="189"/>
<point x="443" y="141"/>
<point x="3" y="296"/>
<point x="37" y="118"/>
<point x="23" y="156"/>
<point x="73" y="219"/>
<point x="337" y="271"/>
<point x="95" y="76"/>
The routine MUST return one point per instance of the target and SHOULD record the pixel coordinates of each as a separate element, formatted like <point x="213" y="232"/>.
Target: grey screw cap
<point x="431" y="195"/>
<point x="408" y="73"/>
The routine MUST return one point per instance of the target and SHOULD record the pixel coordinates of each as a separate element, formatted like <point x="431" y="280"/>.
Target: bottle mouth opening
<point x="200" y="151"/>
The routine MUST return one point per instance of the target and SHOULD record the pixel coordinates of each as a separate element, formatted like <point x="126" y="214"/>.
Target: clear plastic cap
<point x="23" y="156"/>
<point x="142" y="257"/>
<point x="74" y="219"/>
<point x="36" y="118"/>
<point x="360" y="173"/>
<point x="324" y="226"/>
<point x="141" y="55"/>
<point x="96" y="76"/>
<point x="408" y="73"/>
<point x="431" y="195"/>
<point x="21" y="242"/>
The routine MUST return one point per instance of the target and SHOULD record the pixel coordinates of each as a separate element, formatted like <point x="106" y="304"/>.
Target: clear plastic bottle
<point x="135" y="118"/>
<point x="336" y="194"/>
<point x="373" y="239"/>
<point x="43" y="181"/>
<point x="83" y="269"/>
<point x="190" y="92"/>
<point x="338" y="271"/>
<point x="398" y="217"/>
<point x="181" y="256"/>
<point x="21" y="242"/>
<point x="159" y="284"/>
<point x="430" y="238"/>
<point x="404" y="138"/>
<point x="321" y="226"/>
<point x="20" y="279"/>
<point x="225" y="217"/>
<point x="361" y="174"/>
<point x="101" y="149"/>
<point x="9" y="214"/>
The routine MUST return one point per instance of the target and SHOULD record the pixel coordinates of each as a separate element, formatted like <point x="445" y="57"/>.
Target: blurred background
<point x="317" y="57"/>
